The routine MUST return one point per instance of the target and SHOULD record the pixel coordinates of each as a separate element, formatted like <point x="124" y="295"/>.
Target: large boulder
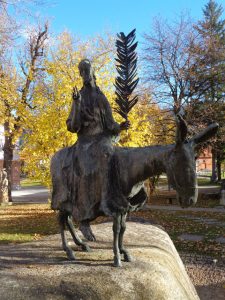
<point x="39" y="270"/>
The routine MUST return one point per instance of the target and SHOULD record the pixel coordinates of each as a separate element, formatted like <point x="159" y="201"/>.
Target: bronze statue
<point x="3" y="186"/>
<point x="94" y="178"/>
<point x="91" y="118"/>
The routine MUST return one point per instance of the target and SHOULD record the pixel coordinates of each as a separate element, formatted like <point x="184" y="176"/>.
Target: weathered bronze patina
<point x="94" y="178"/>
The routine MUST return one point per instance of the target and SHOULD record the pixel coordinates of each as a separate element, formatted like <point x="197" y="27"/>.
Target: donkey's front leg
<point x="116" y="232"/>
<point x="123" y="251"/>
<point x="62" y="223"/>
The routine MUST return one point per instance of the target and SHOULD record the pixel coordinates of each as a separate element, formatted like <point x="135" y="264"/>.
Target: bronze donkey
<point x="133" y="166"/>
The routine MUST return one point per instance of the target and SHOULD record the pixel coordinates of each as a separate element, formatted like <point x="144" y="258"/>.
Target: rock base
<point x="40" y="270"/>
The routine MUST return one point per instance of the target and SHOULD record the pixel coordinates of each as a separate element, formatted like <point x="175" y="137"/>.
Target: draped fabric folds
<point x="87" y="170"/>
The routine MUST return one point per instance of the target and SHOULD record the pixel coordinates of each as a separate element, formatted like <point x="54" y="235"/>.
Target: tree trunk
<point x="214" y="174"/>
<point x="8" y="157"/>
<point x="218" y="165"/>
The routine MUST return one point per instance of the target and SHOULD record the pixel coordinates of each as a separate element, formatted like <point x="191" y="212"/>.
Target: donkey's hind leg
<point x="86" y="230"/>
<point x="62" y="223"/>
<point x="75" y="237"/>
<point x="123" y="251"/>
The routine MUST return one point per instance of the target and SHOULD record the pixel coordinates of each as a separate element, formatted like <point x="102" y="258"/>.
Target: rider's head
<point x="86" y="71"/>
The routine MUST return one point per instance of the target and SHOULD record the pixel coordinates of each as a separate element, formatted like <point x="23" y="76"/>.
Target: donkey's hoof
<point x="126" y="255"/>
<point x="128" y="258"/>
<point x="117" y="262"/>
<point x="92" y="238"/>
<point x="87" y="232"/>
<point x="71" y="255"/>
<point x="86" y="248"/>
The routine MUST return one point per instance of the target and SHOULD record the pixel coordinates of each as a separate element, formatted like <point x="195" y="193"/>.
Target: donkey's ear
<point x="182" y="130"/>
<point x="205" y="135"/>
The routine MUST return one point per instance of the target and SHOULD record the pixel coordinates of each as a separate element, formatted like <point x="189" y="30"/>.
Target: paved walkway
<point x="175" y="207"/>
<point x="34" y="194"/>
<point x="204" y="189"/>
<point x="40" y="194"/>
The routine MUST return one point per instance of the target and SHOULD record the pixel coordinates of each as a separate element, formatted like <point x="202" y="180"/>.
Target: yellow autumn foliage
<point x="46" y="125"/>
<point x="10" y="104"/>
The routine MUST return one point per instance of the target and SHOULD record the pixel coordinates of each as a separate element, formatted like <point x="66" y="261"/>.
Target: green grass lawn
<point x="202" y="181"/>
<point x="23" y="223"/>
<point x="27" y="222"/>
<point x="29" y="182"/>
<point x="176" y="223"/>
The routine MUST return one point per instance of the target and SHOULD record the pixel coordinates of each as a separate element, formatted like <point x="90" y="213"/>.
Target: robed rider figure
<point x="89" y="166"/>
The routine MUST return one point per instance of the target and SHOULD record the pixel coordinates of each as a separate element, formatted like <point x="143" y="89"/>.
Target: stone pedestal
<point x="40" y="270"/>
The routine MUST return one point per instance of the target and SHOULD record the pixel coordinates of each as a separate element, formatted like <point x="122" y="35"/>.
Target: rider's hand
<point x="125" y="125"/>
<point x="76" y="95"/>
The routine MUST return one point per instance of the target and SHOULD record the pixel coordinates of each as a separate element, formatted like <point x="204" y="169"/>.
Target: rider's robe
<point x="90" y="171"/>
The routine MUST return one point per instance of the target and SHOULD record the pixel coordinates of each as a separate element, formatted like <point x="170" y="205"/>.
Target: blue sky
<point x="88" y="17"/>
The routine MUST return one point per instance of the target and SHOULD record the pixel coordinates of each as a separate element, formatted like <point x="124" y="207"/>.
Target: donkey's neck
<point x="138" y="164"/>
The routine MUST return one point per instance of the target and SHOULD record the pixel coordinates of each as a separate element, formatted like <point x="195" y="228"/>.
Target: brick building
<point x="204" y="161"/>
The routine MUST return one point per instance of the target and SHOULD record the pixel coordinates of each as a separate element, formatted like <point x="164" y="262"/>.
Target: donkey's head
<point x="181" y="169"/>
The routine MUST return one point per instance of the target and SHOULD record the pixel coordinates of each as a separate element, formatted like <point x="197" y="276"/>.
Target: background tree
<point x="8" y="27"/>
<point x="150" y="125"/>
<point x="11" y="26"/>
<point x="16" y="95"/>
<point x="52" y="100"/>
<point x="209" y="49"/>
<point x="170" y="65"/>
<point x="185" y="66"/>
